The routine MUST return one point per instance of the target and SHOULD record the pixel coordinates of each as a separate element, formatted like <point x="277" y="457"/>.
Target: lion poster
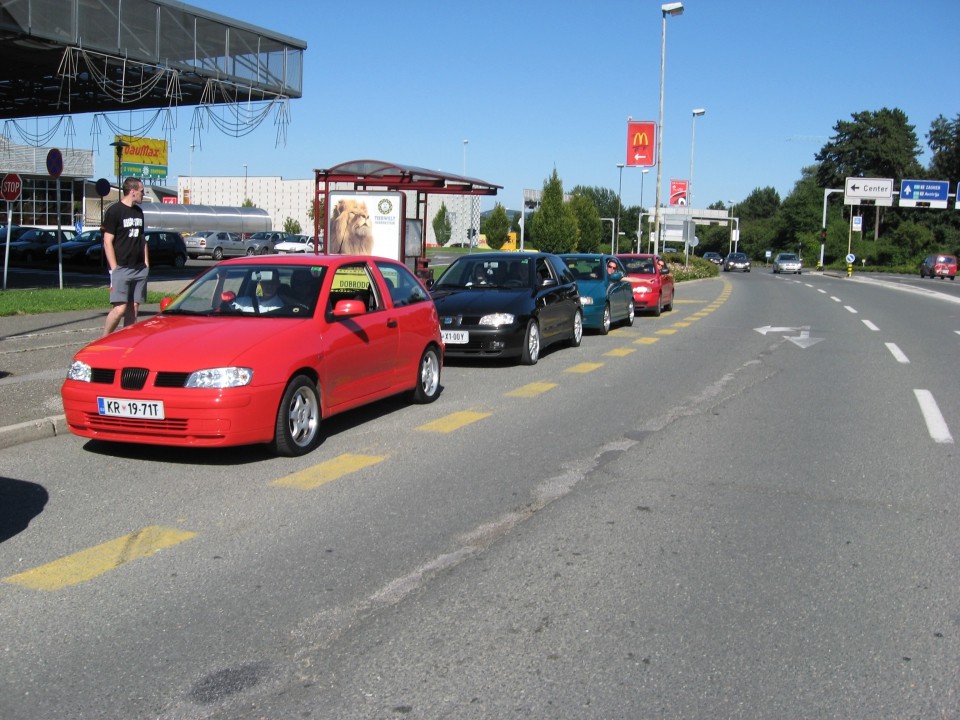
<point x="365" y="224"/>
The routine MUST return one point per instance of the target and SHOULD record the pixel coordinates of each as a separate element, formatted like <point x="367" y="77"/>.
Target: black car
<point x="507" y="304"/>
<point x="715" y="258"/>
<point x="74" y="251"/>
<point x="32" y="245"/>
<point x="165" y="247"/>
<point x="736" y="261"/>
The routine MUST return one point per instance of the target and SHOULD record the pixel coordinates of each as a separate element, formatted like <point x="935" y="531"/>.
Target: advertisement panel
<point x="678" y="192"/>
<point x="363" y="223"/>
<point x="641" y="143"/>
<point x="144" y="158"/>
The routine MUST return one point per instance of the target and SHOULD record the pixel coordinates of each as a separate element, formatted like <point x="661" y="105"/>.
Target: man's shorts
<point x="128" y="285"/>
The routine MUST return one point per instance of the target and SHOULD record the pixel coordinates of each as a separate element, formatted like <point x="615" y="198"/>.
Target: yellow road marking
<point x="584" y="368"/>
<point x="531" y="390"/>
<point x="88" y="564"/>
<point x="333" y="469"/>
<point x="620" y="352"/>
<point x="454" y="421"/>
<point x="646" y="341"/>
<point x="681" y="324"/>
<point x="620" y="332"/>
<point x="666" y="331"/>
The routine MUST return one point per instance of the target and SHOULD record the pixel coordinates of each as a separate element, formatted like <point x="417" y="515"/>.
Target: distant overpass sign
<point x="924" y="193"/>
<point x="868" y="191"/>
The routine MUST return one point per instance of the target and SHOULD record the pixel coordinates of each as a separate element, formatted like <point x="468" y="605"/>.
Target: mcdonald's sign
<point x="641" y="143"/>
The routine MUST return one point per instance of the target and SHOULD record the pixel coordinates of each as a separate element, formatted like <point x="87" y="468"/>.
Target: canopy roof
<point x="365" y="174"/>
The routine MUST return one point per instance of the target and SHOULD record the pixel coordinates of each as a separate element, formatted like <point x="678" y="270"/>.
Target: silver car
<point x="787" y="263"/>
<point x="217" y="244"/>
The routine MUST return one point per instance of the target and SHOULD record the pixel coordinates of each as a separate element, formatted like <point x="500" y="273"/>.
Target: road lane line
<point x="835" y="298"/>
<point x="646" y="341"/>
<point x="531" y="389"/>
<point x="850" y="309"/>
<point x="870" y="325"/>
<point x="666" y="331"/>
<point x="583" y="368"/>
<point x="620" y="352"/>
<point x="333" y="469"/>
<point x="681" y="324"/>
<point x="897" y="353"/>
<point x="936" y="425"/>
<point x="454" y="421"/>
<point x="92" y="562"/>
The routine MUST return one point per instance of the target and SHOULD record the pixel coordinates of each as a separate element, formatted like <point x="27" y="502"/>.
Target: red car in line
<point x="258" y="350"/>
<point x="651" y="281"/>
<point x="939" y="266"/>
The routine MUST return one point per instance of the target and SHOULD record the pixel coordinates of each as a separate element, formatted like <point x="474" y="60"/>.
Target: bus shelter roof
<point x="367" y="174"/>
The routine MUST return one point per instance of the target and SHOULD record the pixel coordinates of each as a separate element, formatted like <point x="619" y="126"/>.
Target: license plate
<point x="120" y="407"/>
<point x="455" y="337"/>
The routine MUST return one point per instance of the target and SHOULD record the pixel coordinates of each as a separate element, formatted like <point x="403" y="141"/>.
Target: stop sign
<point x="11" y="186"/>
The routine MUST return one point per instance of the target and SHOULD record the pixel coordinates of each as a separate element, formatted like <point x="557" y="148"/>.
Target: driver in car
<point x="269" y="299"/>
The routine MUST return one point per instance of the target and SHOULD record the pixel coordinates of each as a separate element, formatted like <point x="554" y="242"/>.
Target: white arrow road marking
<point x="803" y="340"/>
<point x="897" y="353"/>
<point x="936" y="425"/>
<point x="769" y="329"/>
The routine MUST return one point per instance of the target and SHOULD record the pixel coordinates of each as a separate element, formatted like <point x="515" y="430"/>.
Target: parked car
<point x="74" y="251"/>
<point x="217" y="244"/>
<point x="15" y="232"/>
<point x="206" y="373"/>
<point x="736" y="261"/>
<point x="32" y="245"/>
<point x="715" y="258"/>
<point x="266" y="241"/>
<point x="787" y="263"/>
<point x="939" y="266"/>
<point x="606" y="296"/>
<point x="653" y="286"/>
<point x="166" y="247"/>
<point x="668" y="249"/>
<point x="294" y="244"/>
<point x="506" y="305"/>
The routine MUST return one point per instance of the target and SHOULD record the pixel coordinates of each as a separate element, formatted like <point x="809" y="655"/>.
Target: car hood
<point x="594" y="288"/>
<point x="468" y="301"/>
<point x="185" y="344"/>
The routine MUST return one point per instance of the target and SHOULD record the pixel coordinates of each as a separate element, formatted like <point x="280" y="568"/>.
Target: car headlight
<point x="79" y="371"/>
<point x="586" y="300"/>
<point x="497" y="319"/>
<point x="640" y="290"/>
<point x="225" y="377"/>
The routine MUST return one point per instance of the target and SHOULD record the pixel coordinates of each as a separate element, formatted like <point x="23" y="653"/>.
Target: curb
<point x="52" y="426"/>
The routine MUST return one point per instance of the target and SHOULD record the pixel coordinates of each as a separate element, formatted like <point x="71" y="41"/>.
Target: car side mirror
<point x="616" y="276"/>
<point x="349" y="308"/>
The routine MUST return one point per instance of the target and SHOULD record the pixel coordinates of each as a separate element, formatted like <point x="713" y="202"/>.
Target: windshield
<point x="260" y="290"/>
<point x="639" y="266"/>
<point x="788" y="258"/>
<point x="485" y="273"/>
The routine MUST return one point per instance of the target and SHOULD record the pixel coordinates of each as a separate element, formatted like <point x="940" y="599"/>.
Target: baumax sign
<point x="143" y="157"/>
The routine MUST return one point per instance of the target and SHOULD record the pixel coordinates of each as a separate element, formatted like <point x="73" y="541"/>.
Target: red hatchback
<point x="258" y="350"/>
<point x="939" y="266"/>
<point x="652" y="282"/>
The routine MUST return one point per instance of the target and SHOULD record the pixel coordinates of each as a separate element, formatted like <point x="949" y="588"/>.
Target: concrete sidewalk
<point x="35" y="353"/>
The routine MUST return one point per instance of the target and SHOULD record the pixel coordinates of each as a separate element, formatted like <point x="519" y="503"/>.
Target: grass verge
<point x="47" y="300"/>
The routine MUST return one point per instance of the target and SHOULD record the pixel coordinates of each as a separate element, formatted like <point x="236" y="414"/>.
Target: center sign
<point x="868" y="191"/>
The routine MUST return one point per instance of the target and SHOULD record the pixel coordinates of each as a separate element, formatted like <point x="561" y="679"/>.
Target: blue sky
<point x="536" y="85"/>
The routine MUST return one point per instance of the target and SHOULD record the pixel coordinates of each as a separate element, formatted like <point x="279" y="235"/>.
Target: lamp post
<point x="119" y="145"/>
<point x="612" y="230"/>
<point x="468" y="200"/>
<point x="672" y="9"/>
<point x="697" y="112"/>
<point x="640" y="216"/>
<point x="619" y="203"/>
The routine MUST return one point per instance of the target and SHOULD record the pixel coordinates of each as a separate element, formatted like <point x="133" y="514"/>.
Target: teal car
<point x="607" y="297"/>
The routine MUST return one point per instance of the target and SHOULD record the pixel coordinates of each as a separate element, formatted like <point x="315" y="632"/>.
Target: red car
<point x="652" y="282"/>
<point x="941" y="266"/>
<point x="258" y="350"/>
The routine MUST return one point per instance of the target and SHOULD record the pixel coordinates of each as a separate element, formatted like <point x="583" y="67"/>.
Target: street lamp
<point x="119" y="145"/>
<point x="697" y="112"/>
<point x="672" y="9"/>
<point x="619" y="192"/>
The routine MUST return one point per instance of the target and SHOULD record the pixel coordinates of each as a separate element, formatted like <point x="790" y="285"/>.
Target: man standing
<point x="126" y="252"/>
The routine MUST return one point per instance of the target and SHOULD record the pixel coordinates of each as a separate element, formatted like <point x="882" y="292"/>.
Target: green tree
<point x="944" y="142"/>
<point x="441" y="225"/>
<point x="588" y="223"/>
<point x="554" y="226"/>
<point x="247" y="202"/>
<point x="496" y="226"/>
<point x="291" y="226"/>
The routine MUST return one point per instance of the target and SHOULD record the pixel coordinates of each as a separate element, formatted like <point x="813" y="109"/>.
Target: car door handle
<point x="392" y="322"/>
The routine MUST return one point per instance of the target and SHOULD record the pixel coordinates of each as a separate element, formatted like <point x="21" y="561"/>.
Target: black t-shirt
<point x="126" y="225"/>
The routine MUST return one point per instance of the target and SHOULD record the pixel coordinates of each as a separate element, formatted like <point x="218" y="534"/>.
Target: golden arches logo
<point x="640" y="139"/>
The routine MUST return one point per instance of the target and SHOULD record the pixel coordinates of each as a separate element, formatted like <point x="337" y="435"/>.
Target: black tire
<point x="179" y="261"/>
<point x="669" y="305"/>
<point x="218" y="254"/>
<point x="605" y="322"/>
<point x="631" y="314"/>
<point x="297" y="429"/>
<point x="251" y="251"/>
<point x="576" y="329"/>
<point x="658" y="308"/>
<point x="531" y="343"/>
<point x="427" y="388"/>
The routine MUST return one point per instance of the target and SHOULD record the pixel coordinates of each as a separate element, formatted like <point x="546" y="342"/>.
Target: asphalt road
<point x="743" y="508"/>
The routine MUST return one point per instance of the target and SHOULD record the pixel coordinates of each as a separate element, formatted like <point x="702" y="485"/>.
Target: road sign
<point x="857" y="223"/>
<point x="851" y="257"/>
<point x="54" y="162"/>
<point x="11" y="186"/>
<point x="641" y="143"/>
<point x="924" y="193"/>
<point x="678" y="192"/>
<point x="877" y="190"/>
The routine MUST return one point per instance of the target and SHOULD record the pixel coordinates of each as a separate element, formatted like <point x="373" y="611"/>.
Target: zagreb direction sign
<point x="924" y="193"/>
<point x="868" y="191"/>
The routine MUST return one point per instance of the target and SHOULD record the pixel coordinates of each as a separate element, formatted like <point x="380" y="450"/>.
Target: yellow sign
<point x="143" y="157"/>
